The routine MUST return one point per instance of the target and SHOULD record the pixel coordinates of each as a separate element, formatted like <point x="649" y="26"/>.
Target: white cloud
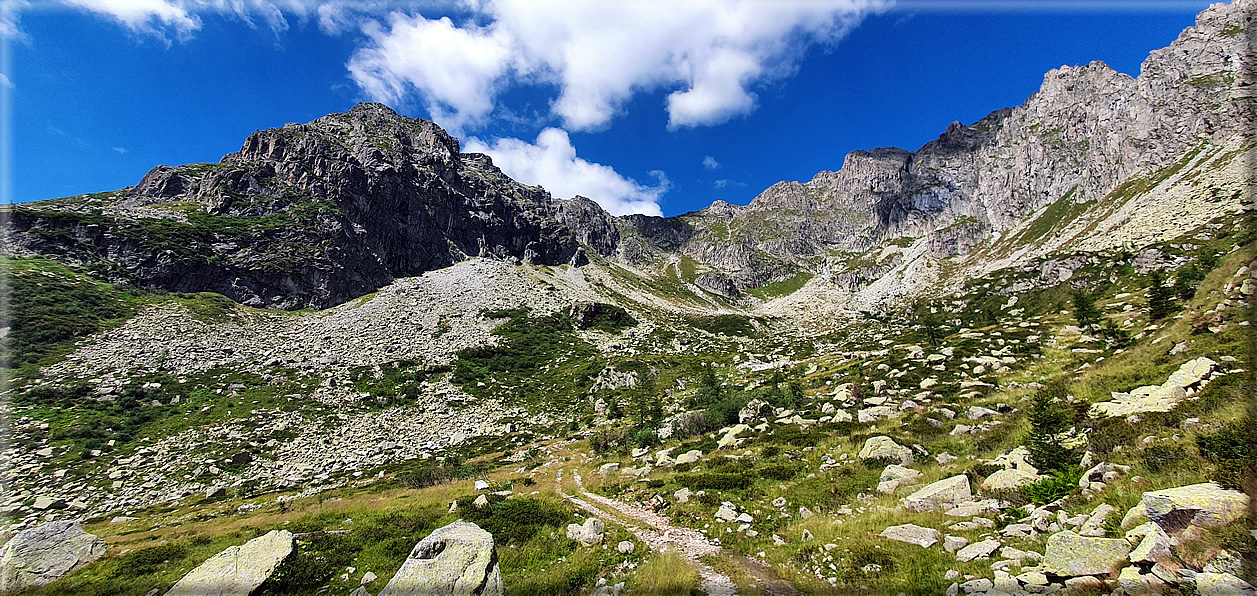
<point x="710" y="162"/>
<point x="598" y="53"/>
<point x="183" y="17"/>
<point x="457" y="67"/>
<point x="120" y="150"/>
<point x="552" y="163"/>
<point x="146" y="16"/>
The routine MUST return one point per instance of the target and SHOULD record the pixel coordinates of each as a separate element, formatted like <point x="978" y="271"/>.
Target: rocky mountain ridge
<point x="351" y="201"/>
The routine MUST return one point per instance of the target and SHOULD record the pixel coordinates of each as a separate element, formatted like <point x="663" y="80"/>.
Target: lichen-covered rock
<point x="1071" y="555"/>
<point x="942" y="495"/>
<point x="1154" y="547"/>
<point x="1206" y="505"/>
<point x="882" y="447"/>
<point x="1222" y="584"/>
<point x="458" y="560"/>
<point x="1008" y="479"/>
<point x="44" y="553"/>
<point x="237" y="570"/>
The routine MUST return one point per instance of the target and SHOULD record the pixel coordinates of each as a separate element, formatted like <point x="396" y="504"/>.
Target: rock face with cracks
<point x="238" y="570"/>
<point x="458" y="560"/>
<point x="39" y="555"/>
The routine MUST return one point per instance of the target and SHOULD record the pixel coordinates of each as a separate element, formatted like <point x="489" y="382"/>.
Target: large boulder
<point x="754" y="410"/>
<point x="458" y="560"/>
<point x="39" y="555"/>
<point x="238" y="570"/>
<point x="882" y="447"/>
<point x="1205" y="505"/>
<point x="912" y="534"/>
<point x="942" y="495"/>
<point x="1071" y="555"/>
<point x="589" y="533"/>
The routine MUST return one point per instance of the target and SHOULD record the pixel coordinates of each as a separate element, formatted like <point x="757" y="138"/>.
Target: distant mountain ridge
<point x="313" y="215"/>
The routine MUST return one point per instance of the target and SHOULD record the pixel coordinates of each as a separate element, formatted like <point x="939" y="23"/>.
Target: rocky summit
<point x="350" y="358"/>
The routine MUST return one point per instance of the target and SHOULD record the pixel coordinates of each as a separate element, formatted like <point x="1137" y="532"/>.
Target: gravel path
<point x="657" y="532"/>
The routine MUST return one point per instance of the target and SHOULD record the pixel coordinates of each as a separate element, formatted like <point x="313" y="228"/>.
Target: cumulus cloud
<point x="710" y="162"/>
<point x="599" y="53"/>
<point x="552" y="162"/>
<point x="457" y="67"/>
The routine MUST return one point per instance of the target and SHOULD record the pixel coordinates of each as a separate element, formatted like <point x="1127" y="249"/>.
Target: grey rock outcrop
<point x="941" y="495"/>
<point x="458" y="559"/>
<point x="1205" y="505"/>
<point x="1071" y="555"/>
<point x="237" y="570"/>
<point x="885" y="448"/>
<point x="589" y="533"/>
<point x="40" y="555"/>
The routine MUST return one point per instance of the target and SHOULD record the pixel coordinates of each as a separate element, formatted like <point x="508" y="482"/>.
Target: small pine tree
<point x="1187" y="280"/>
<point x="1160" y="297"/>
<point x="1049" y="424"/>
<point x="1085" y="310"/>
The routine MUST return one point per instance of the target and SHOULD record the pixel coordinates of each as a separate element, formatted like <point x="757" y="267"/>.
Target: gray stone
<point x="1008" y="479"/>
<point x="1206" y="505"/>
<point x="458" y="559"/>
<point x="977" y="550"/>
<point x="624" y="547"/>
<point x="237" y="570"/>
<point x="39" y="555"/>
<point x="882" y="447"/>
<point x="975" y="586"/>
<point x="682" y="495"/>
<point x="952" y="544"/>
<point x="899" y="473"/>
<point x="215" y="492"/>
<point x="589" y="533"/>
<point x="942" y="495"/>
<point x="689" y="457"/>
<point x="1153" y="548"/>
<point x="1094" y="526"/>
<point x="1071" y="555"/>
<point x="912" y="534"/>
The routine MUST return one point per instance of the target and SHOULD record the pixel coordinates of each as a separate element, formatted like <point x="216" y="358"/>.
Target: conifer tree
<point x="1085" y="310"/>
<point x="1160" y="297"/>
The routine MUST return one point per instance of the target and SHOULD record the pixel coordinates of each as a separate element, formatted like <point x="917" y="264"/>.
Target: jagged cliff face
<point x="311" y="215"/>
<point x="1087" y="129"/>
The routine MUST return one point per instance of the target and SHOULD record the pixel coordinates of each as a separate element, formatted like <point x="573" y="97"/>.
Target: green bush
<point x="778" y="471"/>
<point x="1234" y="452"/>
<point x="714" y="481"/>
<point x="1061" y="483"/>
<point x="1161" y="457"/>
<point x="147" y="561"/>
<point x="516" y="520"/>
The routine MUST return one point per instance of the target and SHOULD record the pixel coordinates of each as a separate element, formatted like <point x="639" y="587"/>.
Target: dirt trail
<point x="657" y="532"/>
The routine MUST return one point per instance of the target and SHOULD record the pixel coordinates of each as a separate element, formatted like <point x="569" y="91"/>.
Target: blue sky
<point x="647" y="106"/>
